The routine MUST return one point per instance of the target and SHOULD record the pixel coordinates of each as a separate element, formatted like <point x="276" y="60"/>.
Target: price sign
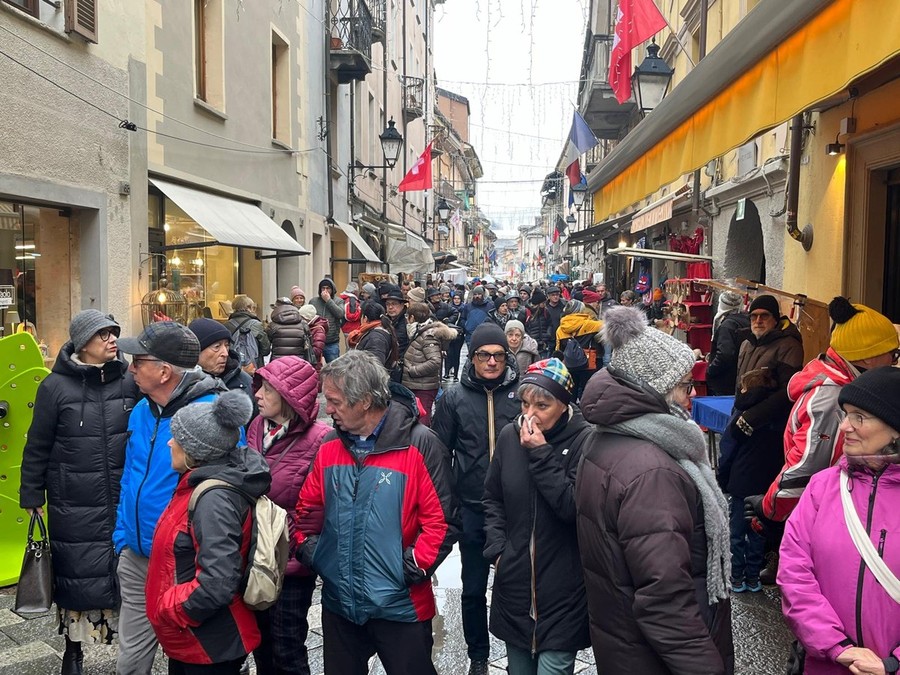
<point x="7" y="296"/>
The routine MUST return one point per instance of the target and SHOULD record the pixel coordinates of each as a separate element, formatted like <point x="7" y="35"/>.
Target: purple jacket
<point x="291" y="456"/>
<point x="828" y="595"/>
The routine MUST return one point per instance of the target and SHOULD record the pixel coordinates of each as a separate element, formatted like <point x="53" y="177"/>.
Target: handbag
<point x="34" y="593"/>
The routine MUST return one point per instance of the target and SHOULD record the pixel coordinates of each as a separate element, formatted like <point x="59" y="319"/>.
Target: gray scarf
<point x="682" y="440"/>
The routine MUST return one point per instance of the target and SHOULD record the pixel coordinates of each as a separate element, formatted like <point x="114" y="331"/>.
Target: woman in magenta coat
<point x="844" y="618"/>
<point x="287" y="434"/>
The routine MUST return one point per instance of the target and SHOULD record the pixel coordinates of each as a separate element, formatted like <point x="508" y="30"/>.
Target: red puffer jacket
<point x="290" y="457"/>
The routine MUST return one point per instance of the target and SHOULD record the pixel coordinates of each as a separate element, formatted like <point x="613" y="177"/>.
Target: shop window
<point x="205" y="274"/>
<point x="281" y="90"/>
<point x="209" y="53"/>
<point x="36" y="276"/>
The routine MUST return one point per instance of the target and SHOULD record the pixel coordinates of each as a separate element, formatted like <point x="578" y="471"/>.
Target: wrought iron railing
<point x="351" y="27"/>
<point x="379" y="19"/>
<point x="413" y="96"/>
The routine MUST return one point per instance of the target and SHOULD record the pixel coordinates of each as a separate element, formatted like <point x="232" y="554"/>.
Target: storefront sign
<point x="651" y="217"/>
<point x="7" y="296"/>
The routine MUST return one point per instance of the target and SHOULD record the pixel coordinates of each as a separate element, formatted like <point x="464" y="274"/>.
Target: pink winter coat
<point x="828" y="595"/>
<point x="291" y="456"/>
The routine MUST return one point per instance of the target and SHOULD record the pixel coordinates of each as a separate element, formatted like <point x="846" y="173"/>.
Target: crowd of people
<point x="559" y="455"/>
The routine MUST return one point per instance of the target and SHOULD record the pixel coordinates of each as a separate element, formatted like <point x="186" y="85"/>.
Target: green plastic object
<point x="21" y="371"/>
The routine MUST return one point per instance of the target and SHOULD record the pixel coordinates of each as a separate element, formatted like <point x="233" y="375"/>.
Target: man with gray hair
<point x="382" y="480"/>
<point x="163" y="360"/>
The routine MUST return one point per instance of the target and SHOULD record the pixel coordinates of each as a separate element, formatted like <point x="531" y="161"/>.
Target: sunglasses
<point x="484" y="357"/>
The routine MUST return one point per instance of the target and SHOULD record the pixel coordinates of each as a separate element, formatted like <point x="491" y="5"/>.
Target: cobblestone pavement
<point x="33" y="648"/>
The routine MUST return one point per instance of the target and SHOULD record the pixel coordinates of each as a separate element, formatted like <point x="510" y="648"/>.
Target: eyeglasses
<point x="484" y="357"/>
<point x="856" y="419"/>
<point x="687" y="386"/>
<point x="137" y="362"/>
<point x="105" y="333"/>
<point x="760" y="316"/>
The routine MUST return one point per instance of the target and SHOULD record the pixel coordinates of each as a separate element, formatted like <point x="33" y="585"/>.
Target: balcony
<point x="606" y="117"/>
<point x="379" y="21"/>
<point x="413" y="98"/>
<point x="351" y="41"/>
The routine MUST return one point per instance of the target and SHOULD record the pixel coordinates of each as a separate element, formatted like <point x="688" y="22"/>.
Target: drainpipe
<point x="804" y="236"/>
<point x="704" y="10"/>
<point x="384" y="102"/>
<point x="326" y="72"/>
<point x="402" y="104"/>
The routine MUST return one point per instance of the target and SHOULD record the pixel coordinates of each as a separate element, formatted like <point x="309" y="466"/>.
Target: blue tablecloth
<point x="712" y="412"/>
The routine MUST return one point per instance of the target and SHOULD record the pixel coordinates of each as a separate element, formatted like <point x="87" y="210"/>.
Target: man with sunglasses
<point x="862" y="339"/>
<point x="163" y="361"/>
<point x="468" y="419"/>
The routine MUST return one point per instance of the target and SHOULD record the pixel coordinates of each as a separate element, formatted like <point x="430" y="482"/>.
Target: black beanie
<point x="767" y="303"/>
<point x="538" y="296"/>
<point x="876" y="391"/>
<point x="487" y="333"/>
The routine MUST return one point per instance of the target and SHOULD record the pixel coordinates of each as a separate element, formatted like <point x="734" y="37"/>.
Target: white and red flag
<point x="636" y="22"/>
<point x="418" y="178"/>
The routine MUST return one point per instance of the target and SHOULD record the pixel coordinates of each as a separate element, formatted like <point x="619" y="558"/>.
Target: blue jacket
<point x="474" y="314"/>
<point x="148" y="479"/>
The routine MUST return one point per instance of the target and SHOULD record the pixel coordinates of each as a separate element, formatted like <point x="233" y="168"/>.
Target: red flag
<point x="636" y="21"/>
<point x="573" y="172"/>
<point x="418" y="178"/>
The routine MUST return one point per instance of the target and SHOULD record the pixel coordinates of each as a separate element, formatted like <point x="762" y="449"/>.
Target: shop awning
<point x="230" y="222"/>
<point x="357" y="240"/>
<point x="634" y="252"/>
<point x="657" y="212"/>
<point x="597" y="232"/>
<point x="781" y="59"/>
<point x="411" y="255"/>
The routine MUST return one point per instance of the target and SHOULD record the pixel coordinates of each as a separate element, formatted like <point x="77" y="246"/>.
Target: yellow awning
<point x="846" y="40"/>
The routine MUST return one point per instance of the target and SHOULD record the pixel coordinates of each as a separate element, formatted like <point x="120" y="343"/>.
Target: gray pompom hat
<point x="645" y="353"/>
<point x="210" y="430"/>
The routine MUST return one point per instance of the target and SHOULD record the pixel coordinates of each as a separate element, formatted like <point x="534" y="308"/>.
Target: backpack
<point x="245" y="345"/>
<point x="269" y="545"/>
<point x="574" y="357"/>
<point x="352" y="314"/>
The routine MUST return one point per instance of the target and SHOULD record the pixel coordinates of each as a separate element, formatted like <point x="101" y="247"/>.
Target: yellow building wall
<point x="819" y="273"/>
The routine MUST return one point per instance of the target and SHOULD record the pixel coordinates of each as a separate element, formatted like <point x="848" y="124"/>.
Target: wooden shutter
<point x="81" y="18"/>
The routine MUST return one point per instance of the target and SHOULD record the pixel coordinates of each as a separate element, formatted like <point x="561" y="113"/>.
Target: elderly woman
<point x="538" y="606"/>
<point x="652" y="523"/>
<point x="73" y="462"/>
<point x="840" y="555"/>
<point x="287" y="434"/>
<point x="193" y="592"/>
<point x="521" y="345"/>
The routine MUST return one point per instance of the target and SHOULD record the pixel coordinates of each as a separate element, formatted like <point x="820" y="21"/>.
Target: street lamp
<point x="651" y="79"/>
<point x="391" y="144"/>
<point x="579" y="190"/>
<point x="571" y="220"/>
<point x="443" y="210"/>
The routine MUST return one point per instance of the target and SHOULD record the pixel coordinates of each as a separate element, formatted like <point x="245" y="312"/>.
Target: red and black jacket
<point x="194" y="579"/>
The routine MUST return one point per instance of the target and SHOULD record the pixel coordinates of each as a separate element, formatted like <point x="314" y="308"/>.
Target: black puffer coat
<point x="73" y="461"/>
<point x="530" y="493"/>
<point x="288" y="332"/>
<point x="539" y="325"/>
<point x="468" y="419"/>
<point x="236" y="377"/>
<point x="643" y="545"/>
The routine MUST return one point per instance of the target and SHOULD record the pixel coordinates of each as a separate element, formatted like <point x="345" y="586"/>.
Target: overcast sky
<point x="518" y="63"/>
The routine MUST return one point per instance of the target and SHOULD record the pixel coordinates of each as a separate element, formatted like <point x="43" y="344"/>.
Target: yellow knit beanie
<point x="859" y="331"/>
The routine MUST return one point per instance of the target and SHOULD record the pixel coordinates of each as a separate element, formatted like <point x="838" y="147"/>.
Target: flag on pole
<point x="418" y="178"/>
<point x="636" y="21"/>
<point x="581" y="139"/>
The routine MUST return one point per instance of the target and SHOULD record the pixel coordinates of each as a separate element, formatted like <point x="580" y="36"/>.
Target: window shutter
<point x="81" y="18"/>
